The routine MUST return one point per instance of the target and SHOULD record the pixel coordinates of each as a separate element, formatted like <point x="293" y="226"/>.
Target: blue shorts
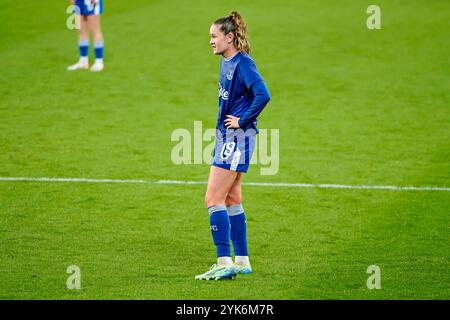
<point x="233" y="151"/>
<point x="89" y="7"/>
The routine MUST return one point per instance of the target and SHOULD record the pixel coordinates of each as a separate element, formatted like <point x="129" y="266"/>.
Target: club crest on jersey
<point x="230" y="75"/>
<point x="222" y="92"/>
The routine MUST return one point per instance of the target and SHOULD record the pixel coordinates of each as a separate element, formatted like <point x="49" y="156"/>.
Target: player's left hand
<point x="231" y="122"/>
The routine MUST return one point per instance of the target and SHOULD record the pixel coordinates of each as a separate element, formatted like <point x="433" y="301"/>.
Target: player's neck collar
<point x="229" y="58"/>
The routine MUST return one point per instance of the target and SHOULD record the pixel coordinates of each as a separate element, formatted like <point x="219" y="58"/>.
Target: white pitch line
<point x="41" y="179"/>
<point x="257" y="184"/>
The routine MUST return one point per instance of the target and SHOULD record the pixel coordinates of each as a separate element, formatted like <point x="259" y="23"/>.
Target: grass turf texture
<point x="353" y="106"/>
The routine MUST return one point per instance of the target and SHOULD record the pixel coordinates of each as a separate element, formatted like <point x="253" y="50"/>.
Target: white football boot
<point x="82" y="64"/>
<point x="97" y="66"/>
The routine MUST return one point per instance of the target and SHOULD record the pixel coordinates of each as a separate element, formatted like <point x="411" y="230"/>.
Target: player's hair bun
<point x="235" y="23"/>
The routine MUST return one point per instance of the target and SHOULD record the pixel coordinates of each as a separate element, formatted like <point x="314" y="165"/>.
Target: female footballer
<point x="242" y="96"/>
<point x="89" y="12"/>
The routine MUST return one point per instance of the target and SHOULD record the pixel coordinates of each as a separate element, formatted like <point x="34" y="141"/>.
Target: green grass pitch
<point x="353" y="106"/>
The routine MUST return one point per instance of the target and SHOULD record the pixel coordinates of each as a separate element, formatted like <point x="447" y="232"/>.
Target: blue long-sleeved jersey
<point x="242" y="92"/>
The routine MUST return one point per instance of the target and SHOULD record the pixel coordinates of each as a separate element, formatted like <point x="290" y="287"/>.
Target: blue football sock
<point x="238" y="232"/>
<point x="83" y="47"/>
<point x="98" y="49"/>
<point x="220" y="229"/>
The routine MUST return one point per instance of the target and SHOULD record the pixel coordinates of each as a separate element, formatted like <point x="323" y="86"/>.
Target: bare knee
<point x="212" y="200"/>
<point x="97" y="35"/>
<point x="83" y="32"/>
<point x="233" y="198"/>
<point x="207" y="200"/>
<point x="235" y="194"/>
<point x="94" y="27"/>
<point x="220" y="183"/>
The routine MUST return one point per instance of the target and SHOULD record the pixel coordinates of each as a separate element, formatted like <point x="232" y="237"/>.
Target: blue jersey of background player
<point x="242" y="96"/>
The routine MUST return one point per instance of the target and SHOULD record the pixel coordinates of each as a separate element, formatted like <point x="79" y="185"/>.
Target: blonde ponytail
<point x="235" y="24"/>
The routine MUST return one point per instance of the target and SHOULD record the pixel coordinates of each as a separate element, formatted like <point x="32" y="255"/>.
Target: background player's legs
<point x="238" y="223"/>
<point x="219" y="184"/>
<point x="93" y="22"/>
<point x="83" y="45"/>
